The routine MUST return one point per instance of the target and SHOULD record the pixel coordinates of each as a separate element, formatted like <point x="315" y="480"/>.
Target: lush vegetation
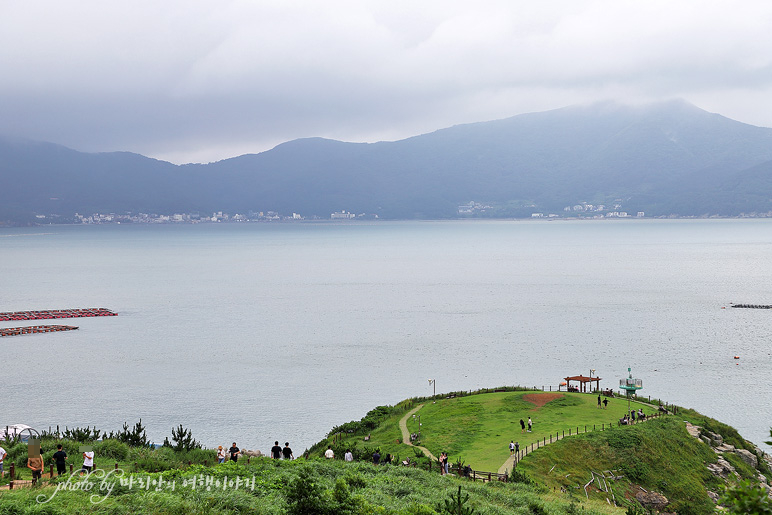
<point x="586" y="473"/>
<point x="294" y="487"/>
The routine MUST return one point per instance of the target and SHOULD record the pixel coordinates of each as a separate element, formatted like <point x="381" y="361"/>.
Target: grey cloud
<point x="198" y="79"/>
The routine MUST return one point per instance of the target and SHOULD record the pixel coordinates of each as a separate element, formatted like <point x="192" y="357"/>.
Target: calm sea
<point x="261" y="332"/>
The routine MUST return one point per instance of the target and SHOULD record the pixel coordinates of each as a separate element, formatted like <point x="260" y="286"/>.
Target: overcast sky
<point x="198" y="80"/>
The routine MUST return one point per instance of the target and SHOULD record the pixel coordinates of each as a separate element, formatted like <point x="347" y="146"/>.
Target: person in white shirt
<point x="88" y="461"/>
<point x="348" y="456"/>
<point x="2" y="457"/>
<point x="329" y="454"/>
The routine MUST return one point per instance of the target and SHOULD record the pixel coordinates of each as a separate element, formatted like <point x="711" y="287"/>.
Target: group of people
<point x="514" y="448"/>
<point x="604" y="402"/>
<point x="349" y="456"/>
<point x="444" y="463"/>
<point x="629" y="418"/>
<point x="277" y="452"/>
<point x="36" y="464"/>
<point x="522" y="425"/>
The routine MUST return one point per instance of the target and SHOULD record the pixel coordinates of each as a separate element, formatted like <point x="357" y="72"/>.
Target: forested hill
<point x="664" y="159"/>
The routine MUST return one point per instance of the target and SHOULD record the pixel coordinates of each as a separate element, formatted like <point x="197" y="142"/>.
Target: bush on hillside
<point x="134" y="437"/>
<point x="747" y="498"/>
<point x="112" y="449"/>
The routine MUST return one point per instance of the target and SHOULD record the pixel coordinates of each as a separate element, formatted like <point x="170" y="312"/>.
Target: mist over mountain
<point x="664" y="159"/>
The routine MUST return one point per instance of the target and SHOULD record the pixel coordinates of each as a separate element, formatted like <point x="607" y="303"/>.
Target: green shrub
<point x="112" y="449"/>
<point x="747" y="498"/>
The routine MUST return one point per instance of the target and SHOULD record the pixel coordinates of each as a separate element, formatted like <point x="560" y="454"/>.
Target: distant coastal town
<point x="217" y="217"/>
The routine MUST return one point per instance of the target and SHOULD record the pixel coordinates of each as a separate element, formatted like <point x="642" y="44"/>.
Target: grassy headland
<point x="598" y="471"/>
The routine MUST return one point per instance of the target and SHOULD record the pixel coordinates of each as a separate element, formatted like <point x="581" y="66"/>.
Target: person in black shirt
<point x="376" y="457"/>
<point x="60" y="457"/>
<point x="234" y="452"/>
<point x="276" y="450"/>
<point x="287" y="452"/>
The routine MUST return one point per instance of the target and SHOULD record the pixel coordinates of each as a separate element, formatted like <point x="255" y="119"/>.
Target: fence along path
<point x="510" y="463"/>
<point x="515" y="458"/>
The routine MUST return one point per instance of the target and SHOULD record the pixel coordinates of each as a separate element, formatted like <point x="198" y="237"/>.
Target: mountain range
<point x="665" y="159"/>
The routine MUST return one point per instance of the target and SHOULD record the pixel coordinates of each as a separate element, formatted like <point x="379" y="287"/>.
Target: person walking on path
<point x="530" y="424"/>
<point x="511" y="447"/>
<point x="328" y="453"/>
<point x="235" y="452"/>
<point x="599" y="400"/>
<point x="605" y="403"/>
<point x="517" y="449"/>
<point x="276" y="450"/>
<point x="220" y="454"/>
<point x="60" y="458"/>
<point x="522" y="426"/>
<point x="348" y="456"/>
<point x="287" y="452"/>
<point x="35" y="464"/>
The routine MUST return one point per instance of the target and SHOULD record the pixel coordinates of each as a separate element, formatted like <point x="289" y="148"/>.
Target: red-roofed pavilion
<point x="583" y="380"/>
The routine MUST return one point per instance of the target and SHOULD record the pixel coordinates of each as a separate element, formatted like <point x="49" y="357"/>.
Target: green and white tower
<point x="630" y="385"/>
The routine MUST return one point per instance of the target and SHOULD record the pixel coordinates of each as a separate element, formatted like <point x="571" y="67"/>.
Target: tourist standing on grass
<point x="442" y="463"/>
<point x="276" y="450"/>
<point x="220" y="454"/>
<point x="328" y="453"/>
<point x="446" y="462"/>
<point x="511" y="447"/>
<point x="605" y="403"/>
<point x="599" y="400"/>
<point x="2" y="458"/>
<point x="235" y="452"/>
<point x="36" y="466"/>
<point x="287" y="452"/>
<point x="60" y="457"/>
<point x="88" y="461"/>
<point x="522" y="426"/>
<point x="530" y="424"/>
<point x="348" y="456"/>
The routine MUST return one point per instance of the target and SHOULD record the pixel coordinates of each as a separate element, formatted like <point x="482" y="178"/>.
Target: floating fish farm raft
<point x="56" y="313"/>
<point x="33" y="329"/>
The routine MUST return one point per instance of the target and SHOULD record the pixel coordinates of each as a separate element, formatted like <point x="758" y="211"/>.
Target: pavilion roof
<point x="582" y="379"/>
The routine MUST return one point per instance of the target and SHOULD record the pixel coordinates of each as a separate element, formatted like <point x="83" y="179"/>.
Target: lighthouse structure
<point x="630" y="385"/>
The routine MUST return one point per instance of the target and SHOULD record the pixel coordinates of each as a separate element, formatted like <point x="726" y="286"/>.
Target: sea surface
<point x="261" y="332"/>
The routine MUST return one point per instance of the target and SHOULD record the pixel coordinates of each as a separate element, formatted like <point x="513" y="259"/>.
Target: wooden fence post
<point x="13" y="474"/>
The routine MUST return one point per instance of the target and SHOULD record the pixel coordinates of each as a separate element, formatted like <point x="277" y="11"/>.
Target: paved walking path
<point x="406" y="433"/>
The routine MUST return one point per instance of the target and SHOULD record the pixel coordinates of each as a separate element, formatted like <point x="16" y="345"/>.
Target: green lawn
<point x="477" y="428"/>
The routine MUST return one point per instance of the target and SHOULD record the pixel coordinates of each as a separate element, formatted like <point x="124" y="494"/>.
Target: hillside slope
<point x="669" y="158"/>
